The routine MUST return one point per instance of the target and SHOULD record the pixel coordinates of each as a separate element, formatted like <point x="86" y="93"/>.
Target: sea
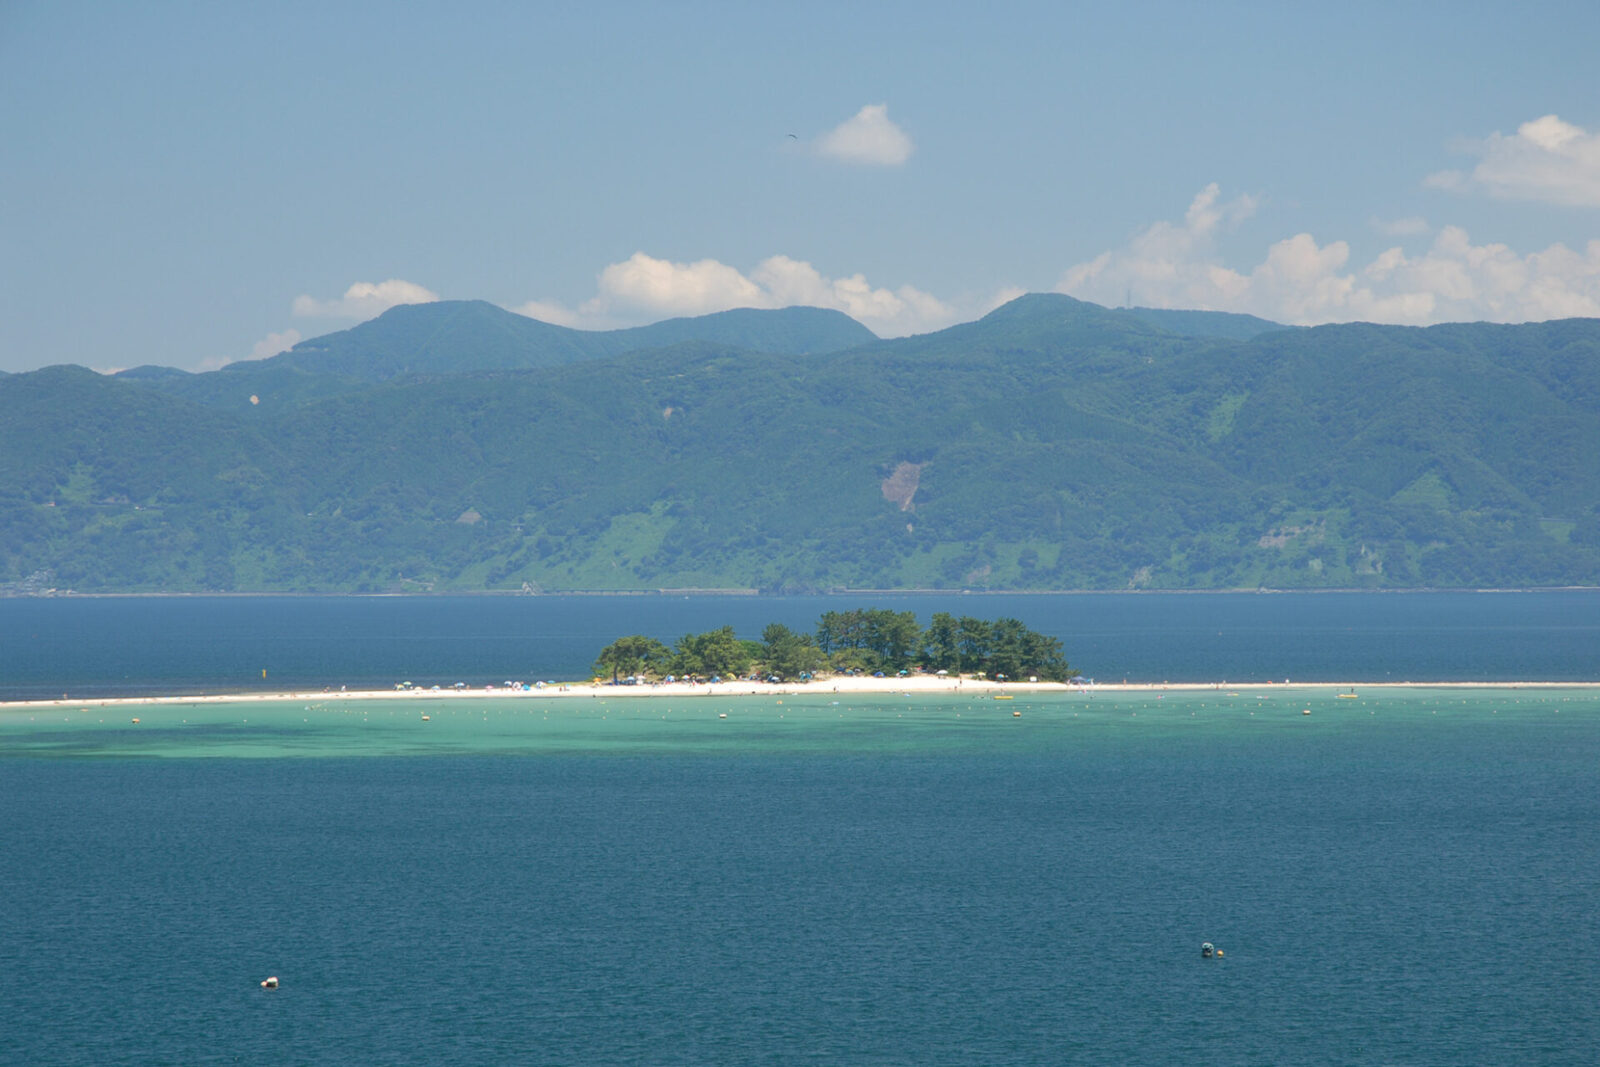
<point x="137" y="646"/>
<point x="1393" y="875"/>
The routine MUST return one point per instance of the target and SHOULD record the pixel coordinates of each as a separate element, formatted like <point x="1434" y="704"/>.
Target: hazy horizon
<point x="193" y="186"/>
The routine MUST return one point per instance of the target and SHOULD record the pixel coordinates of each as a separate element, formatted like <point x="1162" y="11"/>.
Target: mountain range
<point x="1052" y="444"/>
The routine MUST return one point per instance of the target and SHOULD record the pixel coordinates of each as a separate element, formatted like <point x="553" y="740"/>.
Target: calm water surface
<point x="134" y="646"/>
<point x="1406" y="877"/>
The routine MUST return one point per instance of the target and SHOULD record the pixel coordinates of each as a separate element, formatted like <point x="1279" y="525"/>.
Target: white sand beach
<point x="920" y="684"/>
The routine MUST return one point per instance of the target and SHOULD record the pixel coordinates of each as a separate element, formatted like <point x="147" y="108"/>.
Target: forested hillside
<point x="1050" y="445"/>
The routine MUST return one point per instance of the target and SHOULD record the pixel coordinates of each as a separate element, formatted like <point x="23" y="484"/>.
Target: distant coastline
<point x="708" y="594"/>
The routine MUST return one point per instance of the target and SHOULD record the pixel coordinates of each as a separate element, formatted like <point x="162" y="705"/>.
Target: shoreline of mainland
<point x="919" y="685"/>
<point x="744" y="592"/>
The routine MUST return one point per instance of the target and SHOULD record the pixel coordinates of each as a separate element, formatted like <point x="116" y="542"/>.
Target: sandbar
<point x="921" y="684"/>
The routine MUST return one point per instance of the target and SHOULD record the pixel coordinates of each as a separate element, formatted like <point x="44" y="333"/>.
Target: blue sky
<point x="190" y="184"/>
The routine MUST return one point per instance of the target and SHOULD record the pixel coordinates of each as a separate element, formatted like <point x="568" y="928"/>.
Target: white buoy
<point x="270" y="983"/>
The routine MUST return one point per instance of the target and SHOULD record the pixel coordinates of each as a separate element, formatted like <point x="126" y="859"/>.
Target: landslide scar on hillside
<point x="901" y="485"/>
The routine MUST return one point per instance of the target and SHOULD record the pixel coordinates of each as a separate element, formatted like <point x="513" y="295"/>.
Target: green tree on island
<point x="789" y="655"/>
<point x="1017" y="652"/>
<point x="865" y="639"/>
<point x="1004" y="647"/>
<point x="631" y="655"/>
<point x="941" y="643"/>
<point x="974" y="639"/>
<point x="871" y="638"/>
<point x="715" y="652"/>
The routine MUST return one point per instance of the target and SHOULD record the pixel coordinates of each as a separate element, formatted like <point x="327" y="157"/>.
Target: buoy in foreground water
<point x="270" y="983"/>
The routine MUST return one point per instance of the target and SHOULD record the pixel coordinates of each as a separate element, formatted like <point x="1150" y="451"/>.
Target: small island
<point x="871" y="642"/>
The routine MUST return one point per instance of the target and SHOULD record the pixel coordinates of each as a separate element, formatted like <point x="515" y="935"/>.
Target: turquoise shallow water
<point x="749" y="726"/>
<point x="1407" y="877"/>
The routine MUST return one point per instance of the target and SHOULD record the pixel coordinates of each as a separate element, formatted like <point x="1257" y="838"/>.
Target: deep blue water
<point x="1409" y="877"/>
<point x="101" y="647"/>
<point x="1411" y="881"/>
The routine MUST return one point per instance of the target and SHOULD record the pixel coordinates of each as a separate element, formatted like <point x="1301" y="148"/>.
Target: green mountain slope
<point x="1223" y="325"/>
<point x="124" y="489"/>
<point x="798" y="331"/>
<point x="1052" y="444"/>
<point x="461" y="336"/>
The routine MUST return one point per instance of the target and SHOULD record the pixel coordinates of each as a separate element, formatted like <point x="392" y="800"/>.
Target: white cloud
<point x="643" y="288"/>
<point x="274" y="343"/>
<point x="868" y="138"/>
<point x="676" y="288"/>
<point x="548" y="311"/>
<point x="269" y="345"/>
<point x="365" y="300"/>
<point x="1546" y="160"/>
<point x="1448" y="180"/>
<point x="1002" y="297"/>
<point x="787" y="282"/>
<point x="1302" y="282"/>
<point x="1174" y="260"/>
